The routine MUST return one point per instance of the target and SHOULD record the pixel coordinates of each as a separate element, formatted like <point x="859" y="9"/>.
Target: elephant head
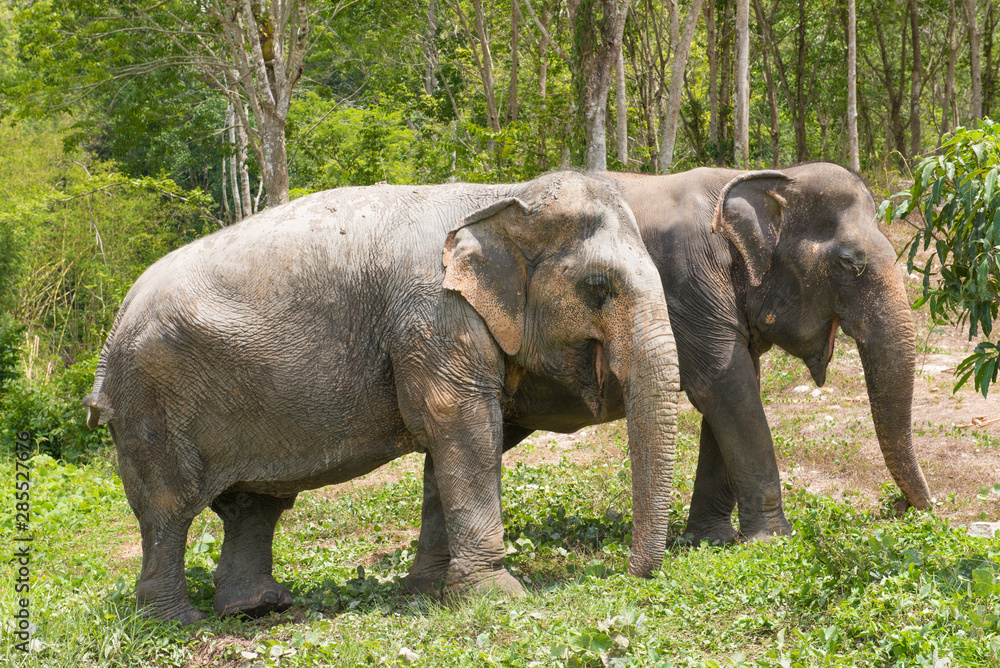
<point x="816" y="262"/>
<point x="562" y="279"/>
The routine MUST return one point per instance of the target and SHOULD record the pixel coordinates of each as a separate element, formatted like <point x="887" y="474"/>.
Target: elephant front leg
<point x="733" y="410"/>
<point x="466" y="453"/>
<point x="431" y="561"/>
<point x="433" y="556"/>
<point x="244" y="584"/>
<point x="714" y="498"/>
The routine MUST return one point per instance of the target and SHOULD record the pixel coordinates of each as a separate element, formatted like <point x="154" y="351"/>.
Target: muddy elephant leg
<point x="162" y="586"/>
<point x="467" y="456"/>
<point x="165" y="506"/>
<point x="243" y="581"/>
<point x="431" y="561"/>
<point x="714" y="498"/>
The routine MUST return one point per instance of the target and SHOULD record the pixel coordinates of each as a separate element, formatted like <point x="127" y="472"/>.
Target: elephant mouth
<point x="818" y="362"/>
<point x="599" y="373"/>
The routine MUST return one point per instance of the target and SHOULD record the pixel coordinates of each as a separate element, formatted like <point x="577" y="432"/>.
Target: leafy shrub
<point x="956" y="195"/>
<point x="50" y="410"/>
<point x="10" y="337"/>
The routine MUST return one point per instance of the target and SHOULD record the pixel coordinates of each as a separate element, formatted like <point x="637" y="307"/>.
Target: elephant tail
<point x="99" y="410"/>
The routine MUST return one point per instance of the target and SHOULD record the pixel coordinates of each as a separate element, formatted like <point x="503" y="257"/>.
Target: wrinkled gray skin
<point x="794" y="256"/>
<point x="319" y="340"/>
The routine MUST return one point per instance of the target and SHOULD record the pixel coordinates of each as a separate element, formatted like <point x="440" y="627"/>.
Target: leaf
<point x="979" y="150"/>
<point x="991" y="182"/>
<point x="925" y="173"/>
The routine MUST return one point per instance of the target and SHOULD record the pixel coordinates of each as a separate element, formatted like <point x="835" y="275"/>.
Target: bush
<point x="10" y="338"/>
<point x="51" y="411"/>
<point x="956" y="194"/>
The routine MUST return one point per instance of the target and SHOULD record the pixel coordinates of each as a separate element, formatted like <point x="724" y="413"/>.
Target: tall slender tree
<point x="600" y="25"/>
<point x="741" y="143"/>
<point x="669" y="129"/>
<point x="975" y="40"/>
<point x="854" y="157"/>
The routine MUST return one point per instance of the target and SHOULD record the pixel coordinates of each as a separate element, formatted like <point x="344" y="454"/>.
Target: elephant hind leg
<point x="430" y="565"/>
<point x="162" y="586"/>
<point x="160" y="482"/>
<point x="244" y="584"/>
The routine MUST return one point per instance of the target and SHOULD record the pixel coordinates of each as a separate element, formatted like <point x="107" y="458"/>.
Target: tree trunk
<point x="853" y="155"/>
<point x="430" y="60"/>
<point x="669" y="130"/>
<point x="989" y="73"/>
<point x="949" y="113"/>
<point x="741" y="140"/>
<point x="234" y="169"/>
<point x="543" y="71"/>
<point x="799" y="121"/>
<point x="621" y="108"/>
<point x="726" y="52"/>
<point x="772" y="105"/>
<point x="915" y="75"/>
<point x="713" y="78"/>
<point x="600" y="44"/>
<point x="515" y="20"/>
<point x="241" y="161"/>
<point x="975" y="38"/>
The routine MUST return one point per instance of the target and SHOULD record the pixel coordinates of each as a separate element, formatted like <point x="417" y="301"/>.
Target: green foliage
<point x="956" y="211"/>
<point x="48" y="407"/>
<point x="10" y="340"/>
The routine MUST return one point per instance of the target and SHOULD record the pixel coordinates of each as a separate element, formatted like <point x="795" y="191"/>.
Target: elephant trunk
<point x="646" y="367"/>
<point x="886" y="343"/>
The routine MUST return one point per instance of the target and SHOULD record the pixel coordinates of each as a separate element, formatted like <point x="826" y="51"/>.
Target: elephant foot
<point x="425" y="582"/>
<point x="251" y="597"/>
<point x="777" y="526"/>
<point x="481" y="583"/>
<point x="179" y="610"/>
<point x="723" y="533"/>
<point x="185" y="617"/>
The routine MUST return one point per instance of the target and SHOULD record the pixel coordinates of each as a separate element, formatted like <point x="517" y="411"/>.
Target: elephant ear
<point x="484" y="263"/>
<point x="748" y="213"/>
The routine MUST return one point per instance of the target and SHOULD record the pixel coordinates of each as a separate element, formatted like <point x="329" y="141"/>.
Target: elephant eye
<point x="852" y="261"/>
<point x="598" y="288"/>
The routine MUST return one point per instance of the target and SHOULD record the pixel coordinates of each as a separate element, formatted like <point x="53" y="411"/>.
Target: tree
<point x="956" y="206"/>
<point x="741" y="144"/>
<point x="599" y="25"/>
<point x="249" y="51"/>
<point x="854" y="157"/>
<point x="915" y="78"/>
<point x="669" y="129"/>
<point x="975" y="39"/>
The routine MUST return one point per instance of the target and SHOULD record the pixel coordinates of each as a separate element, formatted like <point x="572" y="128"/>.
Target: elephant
<point x="751" y="260"/>
<point x="319" y="340"/>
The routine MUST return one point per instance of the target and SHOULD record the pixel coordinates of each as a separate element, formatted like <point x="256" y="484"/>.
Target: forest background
<point x="132" y="128"/>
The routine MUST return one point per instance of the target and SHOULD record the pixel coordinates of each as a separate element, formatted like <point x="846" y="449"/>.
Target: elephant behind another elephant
<point x="754" y="259"/>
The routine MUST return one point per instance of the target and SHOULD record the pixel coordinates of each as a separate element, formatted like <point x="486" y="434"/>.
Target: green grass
<point x="850" y="588"/>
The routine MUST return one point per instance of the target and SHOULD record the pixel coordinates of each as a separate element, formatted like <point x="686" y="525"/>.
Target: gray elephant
<point x="785" y="258"/>
<point x="319" y="340"/>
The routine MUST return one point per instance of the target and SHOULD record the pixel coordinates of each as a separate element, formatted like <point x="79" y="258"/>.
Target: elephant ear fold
<point x="748" y="213"/>
<point x="483" y="263"/>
